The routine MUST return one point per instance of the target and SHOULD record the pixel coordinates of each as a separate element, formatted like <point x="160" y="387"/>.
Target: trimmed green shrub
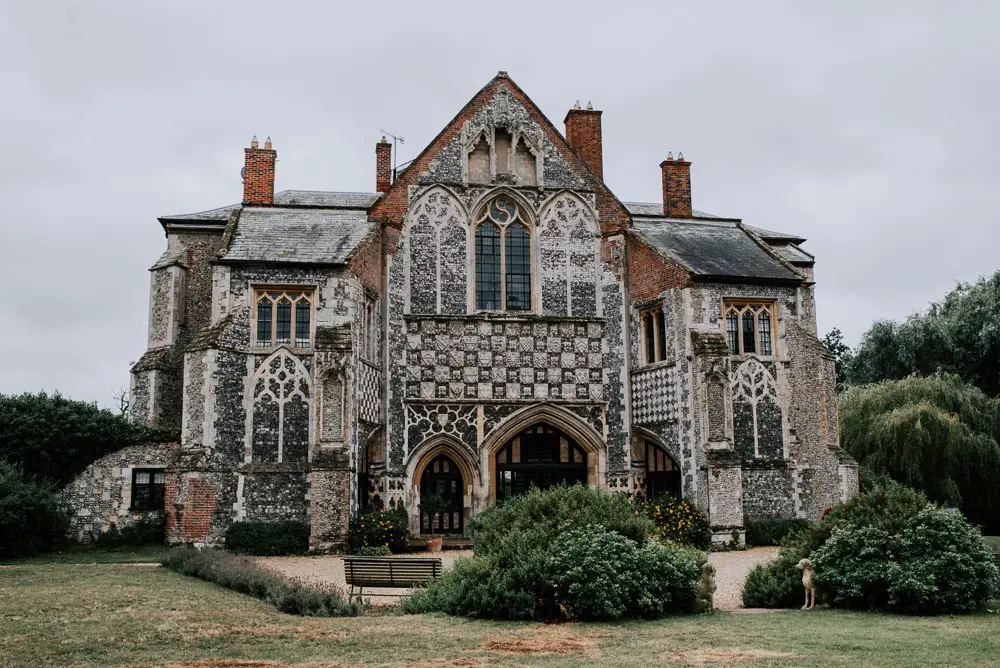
<point x="147" y="530"/>
<point x="937" y="563"/>
<point x="373" y="551"/>
<point x="678" y="520"/>
<point x="33" y="518"/>
<point x="592" y="572"/>
<point x="772" y="531"/>
<point x="566" y="553"/>
<point x="888" y="549"/>
<point x="294" y="597"/>
<point x="535" y="518"/>
<point x="376" y="527"/>
<point x="268" y="539"/>
<point x="666" y="580"/>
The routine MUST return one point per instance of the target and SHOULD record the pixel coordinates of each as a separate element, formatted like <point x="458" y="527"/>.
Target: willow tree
<point x="933" y="433"/>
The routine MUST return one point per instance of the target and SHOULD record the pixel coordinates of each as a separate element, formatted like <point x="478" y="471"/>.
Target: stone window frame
<point x="524" y="217"/>
<point x="369" y="337"/>
<point x="307" y="292"/>
<point x="762" y="346"/>
<point x="153" y="471"/>
<point x="657" y="337"/>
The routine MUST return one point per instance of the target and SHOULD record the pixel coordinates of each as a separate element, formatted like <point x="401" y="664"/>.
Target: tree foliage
<point x="32" y="516"/>
<point x="959" y="334"/>
<point x="834" y="340"/>
<point x="934" y="433"/>
<point x="55" y="438"/>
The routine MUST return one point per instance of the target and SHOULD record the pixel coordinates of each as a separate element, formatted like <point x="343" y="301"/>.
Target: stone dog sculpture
<point x="706" y="590"/>
<point x="807" y="581"/>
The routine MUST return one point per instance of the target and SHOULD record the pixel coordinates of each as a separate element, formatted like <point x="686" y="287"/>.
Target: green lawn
<point x="108" y="614"/>
<point x="146" y="554"/>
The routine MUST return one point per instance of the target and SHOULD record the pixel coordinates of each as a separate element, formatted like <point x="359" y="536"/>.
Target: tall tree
<point x="934" y="433"/>
<point x="959" y="334"/>
<point x="834" y="340"/>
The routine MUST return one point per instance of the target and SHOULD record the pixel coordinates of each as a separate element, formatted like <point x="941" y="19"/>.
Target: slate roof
<point x="154" y="358"/>
<point x="655" y="209"/>
<point x="304" y="236"/>
<point x="712" y="249"/>
<point x="793" y="254"/>
<point x="170" y="258"/>
<point x="709" y="344"/>
<point x="291" y="198"/>
<point x="769" y="236"/>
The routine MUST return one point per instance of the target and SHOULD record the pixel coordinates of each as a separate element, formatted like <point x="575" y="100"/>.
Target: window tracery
<point x="503" y="258"/>
<point x="283" y="317"/>
<point x="748" y="328"/>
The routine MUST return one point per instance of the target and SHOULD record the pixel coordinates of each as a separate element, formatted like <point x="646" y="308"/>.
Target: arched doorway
<point x="442" y="477"/>
<point x="540" y="456"/>
<point x="663" y="476"/>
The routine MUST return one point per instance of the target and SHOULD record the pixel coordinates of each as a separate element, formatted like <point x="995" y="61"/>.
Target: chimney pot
<point x="383" y="165"/>
<point x="583" y="133"/>
<point x="258" y="174"/>
<point x="676" y="175"/>
<point x="590" y="105"/>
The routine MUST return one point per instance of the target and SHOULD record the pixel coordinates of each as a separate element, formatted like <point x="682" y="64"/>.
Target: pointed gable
<point x="502" y="105"/>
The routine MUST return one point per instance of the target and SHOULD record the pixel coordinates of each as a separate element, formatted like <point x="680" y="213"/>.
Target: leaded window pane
<point x="264" y="321"/>
<point x="764" y="327"/>
<point x="302" y="316"/>
<point x="518" y="268"/>
<point x="748" y="333"/>
<point x="284" y="321"/>
<point x="142" y="478"/>
<point x="159" y="478"/>
<point x="487" y="267"/>
<point x="662" y="338"/>
<point x="650" y="341"/>
<point x="733" y="333"/>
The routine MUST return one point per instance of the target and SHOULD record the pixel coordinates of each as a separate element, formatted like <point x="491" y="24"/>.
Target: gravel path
<point x="731" y="569"/>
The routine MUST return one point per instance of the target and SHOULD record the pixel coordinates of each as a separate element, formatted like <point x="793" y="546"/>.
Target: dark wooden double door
<point x="442" y="478"/>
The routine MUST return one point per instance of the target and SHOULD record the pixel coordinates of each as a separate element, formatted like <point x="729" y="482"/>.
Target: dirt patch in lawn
<point x="548" y="640"/>
<point x="234" y="663"/>
<point x="700" y="657"/>
<point x="267" y="631"/>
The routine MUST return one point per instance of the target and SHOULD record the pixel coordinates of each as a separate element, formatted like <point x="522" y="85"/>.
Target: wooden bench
<point x="389" y="572"/>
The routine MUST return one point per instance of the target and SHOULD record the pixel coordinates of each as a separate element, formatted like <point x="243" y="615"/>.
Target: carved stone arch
<point x="427" y="452"/>
<point x="280" y="396"/>
<point x="568" y="255"/>
<point x="479" y="205"/>
<point x="556" y="416"/>
<point x="436" y="231"/>
<point x="649" y="435"/>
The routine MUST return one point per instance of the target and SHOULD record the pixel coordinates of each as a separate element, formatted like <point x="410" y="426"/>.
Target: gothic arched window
<point x="503" y="259"/>
<point x="275" y="323"/>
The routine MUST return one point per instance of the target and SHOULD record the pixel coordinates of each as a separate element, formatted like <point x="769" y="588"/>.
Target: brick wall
<point x="366" y="263"/>
<point x="583" y="132"/>
<point x="649" y="273"/>
<point x="258" y="176"/>
<point x="676" y="188"/>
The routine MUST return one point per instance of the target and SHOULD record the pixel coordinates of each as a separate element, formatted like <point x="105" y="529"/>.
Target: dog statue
<point x="706" y="590"/>
<point x="807" y="581"/>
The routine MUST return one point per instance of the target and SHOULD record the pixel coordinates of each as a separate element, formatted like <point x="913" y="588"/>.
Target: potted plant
<point x="433" y="505"/>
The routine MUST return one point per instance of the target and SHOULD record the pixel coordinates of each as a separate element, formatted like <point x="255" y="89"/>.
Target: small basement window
<point x="749" y="327"/>
<point x="147" y="489"/>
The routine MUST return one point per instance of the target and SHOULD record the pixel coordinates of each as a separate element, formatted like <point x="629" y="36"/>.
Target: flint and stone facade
<point x="398" y="377"/>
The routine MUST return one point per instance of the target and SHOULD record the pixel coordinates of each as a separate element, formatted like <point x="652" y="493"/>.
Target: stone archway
<point x="563" y="421"/>
<point x="423" y="459"/>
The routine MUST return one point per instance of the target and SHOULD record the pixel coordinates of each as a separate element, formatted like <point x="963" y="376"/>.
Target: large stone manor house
<point x="492" y="317"/>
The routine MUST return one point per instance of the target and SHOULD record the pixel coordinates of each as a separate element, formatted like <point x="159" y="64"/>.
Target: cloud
<point x="869" y="129"/>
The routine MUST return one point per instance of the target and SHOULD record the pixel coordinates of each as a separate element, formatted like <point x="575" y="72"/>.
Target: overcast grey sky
<point x="868" y="127"/>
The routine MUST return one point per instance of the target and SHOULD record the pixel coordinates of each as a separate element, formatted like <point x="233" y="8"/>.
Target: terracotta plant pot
<point x="434" y="543"/>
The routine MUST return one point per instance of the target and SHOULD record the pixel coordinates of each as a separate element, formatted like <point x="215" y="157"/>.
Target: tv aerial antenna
<point x="395" y="157"/>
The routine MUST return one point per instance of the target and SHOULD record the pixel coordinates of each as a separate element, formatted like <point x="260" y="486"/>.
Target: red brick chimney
<point x="383" y="165"/>
<point x="258" y="174"/>
<point x="583" y="132"/>
<point x="676" y="186"/>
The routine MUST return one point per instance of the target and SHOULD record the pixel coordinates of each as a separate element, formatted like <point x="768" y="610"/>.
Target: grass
<point x="96" y="615"/>
<point x="83" y="554"/>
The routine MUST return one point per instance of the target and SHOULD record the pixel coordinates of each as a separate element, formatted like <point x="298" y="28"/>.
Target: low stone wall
<point x="101" y="496"/>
